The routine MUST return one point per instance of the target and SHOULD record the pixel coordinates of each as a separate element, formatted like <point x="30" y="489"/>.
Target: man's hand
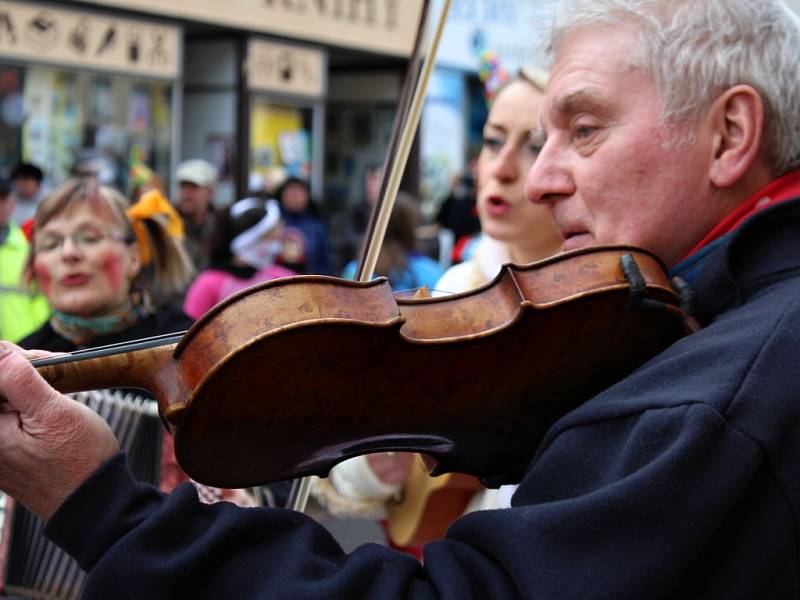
<point x="49" y="444"/>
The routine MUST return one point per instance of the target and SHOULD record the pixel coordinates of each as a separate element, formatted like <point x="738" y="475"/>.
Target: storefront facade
<point x="287" y="88"/>
<point x="246" y="84"/>
<point x="86" y="85"/>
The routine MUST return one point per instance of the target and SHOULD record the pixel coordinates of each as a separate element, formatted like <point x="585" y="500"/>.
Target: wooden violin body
<point x="288" y="378"/>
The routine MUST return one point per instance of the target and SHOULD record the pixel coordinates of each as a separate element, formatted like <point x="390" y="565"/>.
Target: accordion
<point x="37" y="568"/>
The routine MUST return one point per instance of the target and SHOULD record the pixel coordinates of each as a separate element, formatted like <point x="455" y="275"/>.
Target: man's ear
<point x="737" y="119"/>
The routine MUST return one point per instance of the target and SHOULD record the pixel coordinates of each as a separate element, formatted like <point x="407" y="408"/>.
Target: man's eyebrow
<point x="583" y="99"/>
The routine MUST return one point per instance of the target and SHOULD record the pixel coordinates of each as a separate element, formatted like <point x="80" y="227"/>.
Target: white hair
<point x="696" y="49"/>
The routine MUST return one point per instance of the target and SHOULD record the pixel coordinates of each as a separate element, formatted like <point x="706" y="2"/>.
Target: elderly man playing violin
<point x="670" y="125"/>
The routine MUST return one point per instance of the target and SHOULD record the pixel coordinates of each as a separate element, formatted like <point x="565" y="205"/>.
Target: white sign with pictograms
<point x="286" y="68"/>
<point x="384" y="26"/>
<point x="89" y="40"/>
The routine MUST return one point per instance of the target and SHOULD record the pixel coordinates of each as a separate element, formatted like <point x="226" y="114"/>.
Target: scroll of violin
<point x="288" y="378"/>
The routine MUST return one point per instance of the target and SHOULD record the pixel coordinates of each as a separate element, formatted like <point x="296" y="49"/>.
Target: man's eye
<point x="584" y="131"/>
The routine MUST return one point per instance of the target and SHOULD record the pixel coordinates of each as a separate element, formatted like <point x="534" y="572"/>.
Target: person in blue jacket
<point x="667" y="125"/>
<point x="399" y="261"/>
<point x="299" y="214"/>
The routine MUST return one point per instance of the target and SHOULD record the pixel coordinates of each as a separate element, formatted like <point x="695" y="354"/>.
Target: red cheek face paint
<point x="43" y="276"/>
<point x="113" y="266"/>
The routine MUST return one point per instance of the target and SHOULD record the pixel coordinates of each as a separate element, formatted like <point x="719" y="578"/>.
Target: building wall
<point x="210" y="109"/>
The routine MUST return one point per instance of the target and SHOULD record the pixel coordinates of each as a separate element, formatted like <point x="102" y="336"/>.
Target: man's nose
<point x="550" y="177"/>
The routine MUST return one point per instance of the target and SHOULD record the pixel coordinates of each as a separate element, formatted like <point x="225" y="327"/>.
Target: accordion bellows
<point x="37" y="568"/>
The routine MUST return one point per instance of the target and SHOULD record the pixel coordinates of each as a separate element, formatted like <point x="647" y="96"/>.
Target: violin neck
<point x="145" y="364"/>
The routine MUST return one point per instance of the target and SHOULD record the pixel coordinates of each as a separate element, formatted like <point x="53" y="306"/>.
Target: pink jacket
<point x="213" y="286"/>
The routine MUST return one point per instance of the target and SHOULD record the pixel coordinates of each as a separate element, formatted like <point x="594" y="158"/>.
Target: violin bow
<point x="403" y="132"/>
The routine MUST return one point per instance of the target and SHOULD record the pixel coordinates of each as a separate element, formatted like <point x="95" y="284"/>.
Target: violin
<point x="292" y="376"/>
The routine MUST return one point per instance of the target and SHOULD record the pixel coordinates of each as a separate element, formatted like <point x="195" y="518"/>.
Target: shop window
<point x="53" y="118"/>
<point x="280" y="144"/>
<point x="12" y="116"/>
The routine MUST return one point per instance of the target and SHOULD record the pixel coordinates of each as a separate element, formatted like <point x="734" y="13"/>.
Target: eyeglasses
<point x="83" y="239"/>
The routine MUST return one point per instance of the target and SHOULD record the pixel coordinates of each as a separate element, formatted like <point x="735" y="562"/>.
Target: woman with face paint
<point x="247" y="242"/>
<point x="100" y="262"/>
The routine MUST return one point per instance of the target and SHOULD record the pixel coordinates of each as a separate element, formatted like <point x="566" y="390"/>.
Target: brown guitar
<point x="429" y="505"/>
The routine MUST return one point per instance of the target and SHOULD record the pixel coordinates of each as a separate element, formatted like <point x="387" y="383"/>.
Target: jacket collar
<point x="776" y="191"/>
<point x="763" y="249"/>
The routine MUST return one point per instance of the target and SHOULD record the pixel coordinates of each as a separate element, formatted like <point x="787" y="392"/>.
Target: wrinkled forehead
<point x="594" y="68"/>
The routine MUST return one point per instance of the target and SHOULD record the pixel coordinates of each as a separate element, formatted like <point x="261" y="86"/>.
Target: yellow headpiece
<point x="153" y="205"/>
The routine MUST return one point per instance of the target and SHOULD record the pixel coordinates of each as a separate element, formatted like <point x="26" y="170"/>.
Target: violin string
<point x="111" y="349"/>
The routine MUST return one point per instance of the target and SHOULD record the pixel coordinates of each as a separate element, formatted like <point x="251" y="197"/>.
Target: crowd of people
<point x="300" y="242"/>
<point x="669" y="126"/>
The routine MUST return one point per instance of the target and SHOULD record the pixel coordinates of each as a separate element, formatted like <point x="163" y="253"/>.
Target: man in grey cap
<point x="197" y="180"/>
